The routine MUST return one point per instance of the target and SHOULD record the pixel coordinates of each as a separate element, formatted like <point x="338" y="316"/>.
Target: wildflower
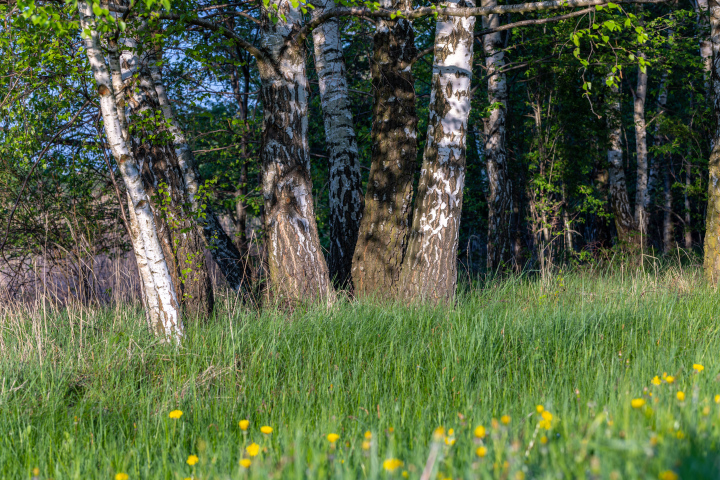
<point x="449" y="441"/>
<point x="681" y="396"/>
<point x="36" y="472"/>
<point x="698" y="368"/>
<point x="668" y="475"/>
<point x="391" y="430"/>
<point x="481" y="451"/>
<point x="175" y="414"/>
<point x="543" y="440"/>
<point x="439" y="433"/>
<point x="253" y="449"/>
<point x="333" y="437"/>
<point x="366" y="445"/>
<point x="244" y="424"/>
<point x="717" y="398"/>
<point x="192" y="460"/>
<point x="669" y="379"/>
<point x="405" y="474"/>
<point x="706" y="411"/>
<point x="494" y="424"/>
<point x="392" y="464"/>
<point x="505" y="419"/>
<point x="121" y="476"/>
<point x="539" y="409"/>
<point x="547" y="416"/>
<point x="637" y="402"/>
<point x="266" y="430"/>
<point x="545" y="424"/>
<point x="656" y="380"/>
<point x="451" y="432"/>
<point x="480" y="431"/>
<point x="245" y="462"/>
<point x="368" y="435"/>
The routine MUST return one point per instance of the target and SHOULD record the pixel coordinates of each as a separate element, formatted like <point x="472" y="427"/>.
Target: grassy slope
<point x="86" y="394"/>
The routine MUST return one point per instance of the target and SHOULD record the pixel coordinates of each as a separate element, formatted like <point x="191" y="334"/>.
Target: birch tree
<point x="345" y="182"/>
<point x="642" y="195"/>
<point x="382" y="238"/>
<point x="499" y="248"/>
<point x="430" y="266"/>
<point x="169" y="323"/>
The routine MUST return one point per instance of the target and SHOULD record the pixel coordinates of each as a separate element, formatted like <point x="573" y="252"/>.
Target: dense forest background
<point x="62" y="199"/>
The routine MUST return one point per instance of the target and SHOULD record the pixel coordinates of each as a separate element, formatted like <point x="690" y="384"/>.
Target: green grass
<point x="85" y="393"/>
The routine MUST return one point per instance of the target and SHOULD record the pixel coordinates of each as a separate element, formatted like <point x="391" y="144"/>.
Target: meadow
<point x="585" y="374"/>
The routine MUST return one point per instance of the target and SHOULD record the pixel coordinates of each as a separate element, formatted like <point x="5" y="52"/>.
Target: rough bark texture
<point x="384" y="227"/>
<point x="169" y="323"/>
<point x="499" y="250"/>
<point x="712" y="221"/>
<point x="166" y="183"/>
<point x="642" y="194"/>
<point x="686" y="199"/>
<point x="619" y="201"/>
<point x="706" y="47"/>
<point x="297" y="266"/>
<point x="345" y="189"/>
<point x="430" y="266"/>
<point x="663" y="162"/>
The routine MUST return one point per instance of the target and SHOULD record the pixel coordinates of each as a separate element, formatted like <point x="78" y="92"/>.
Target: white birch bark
<point x="662" y="162"/>
<point x="500" y="198"/>
<point x="642" y="195"/>
<point x="345" y="189"/>
<point x="430" y="265"/>
<point x="298" y="270"/>
<point x="619" y="201"/>
<point x="170" y="323"/>
<point x="686" y="199"/>
<point x="706" y="47"/>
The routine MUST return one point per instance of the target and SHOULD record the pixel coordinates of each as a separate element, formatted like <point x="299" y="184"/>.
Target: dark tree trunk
<point x="384" y="227"/>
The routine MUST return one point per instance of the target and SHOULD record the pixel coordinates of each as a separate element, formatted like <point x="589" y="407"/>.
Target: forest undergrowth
<point x="580" y="375"/>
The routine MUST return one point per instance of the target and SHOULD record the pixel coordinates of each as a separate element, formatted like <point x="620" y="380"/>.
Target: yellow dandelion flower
<point x="253" y="449"/>
<point x="681" y="396"/>
<point x="266" y="430"/>
<point x="717" y="398"/>
<point x="451" y="432"/>
<point x="480" y="431"/>
<point x="405" y="474"/>
<point x="333" y="437"/>
<point x="698" y="368"/>
<point x="244" y="424"/>
<point x="656" y="380"/>
<point x="481" y="451"/>
<point x="36" y="472"/>
<point x="121" y="476"/>
<point x="543" y="439"/>
<point x="668" y="475"/>
<point x="368" y="435"/>
<point x="505" y="419"/>
<point x="439" y="433"/>
<point x="547" y="416"/>
<point x="245" y="462"/>
<point x="175" y="414"/>
<point x="192" y="460"/>
<point x="449" y="441"/>
<point x="637" y="402"/>
<point x="366" y="445"/>
<point x="669" y="379"/>
<point x="392" y="464"/>
<point x="545" y="424"/>
<point x="391" y="430"/>
<point x="539" y="409"/>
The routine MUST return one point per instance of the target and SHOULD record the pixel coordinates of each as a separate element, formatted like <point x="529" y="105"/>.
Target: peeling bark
<point x="500" y="205"/>
<point x="386" y="220"/>
<point x="297" y="266"/>
<point x="430" y="266"/>
<point x="712" y="221"/>
<point x="619" y="201"/>
<point x="169" y="323"/>
<point x="345" y="190"/>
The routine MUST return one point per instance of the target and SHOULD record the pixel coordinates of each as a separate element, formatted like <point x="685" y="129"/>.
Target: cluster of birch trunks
<point x="387" y="240"/>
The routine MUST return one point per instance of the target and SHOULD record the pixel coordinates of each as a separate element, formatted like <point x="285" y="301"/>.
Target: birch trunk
<point x="663" y="162"/>
<point x="619" y="201"/>
<point x="382" y="238"/>
<point x="706" y="47"/>
<point x="430" y="266"/>
<point x="642" y="196"/>
<point x="345" y="190"/>
<point x="169" y="323"/>
<point x="686" y="198"/>
<point x="296" y="263"/>
<point x="240" y="208"/>
<point x="712" y="221"/>
<point x="499" y="251"/>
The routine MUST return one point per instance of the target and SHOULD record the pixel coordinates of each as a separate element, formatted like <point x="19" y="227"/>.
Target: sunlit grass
<point x="579" y="376"/>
